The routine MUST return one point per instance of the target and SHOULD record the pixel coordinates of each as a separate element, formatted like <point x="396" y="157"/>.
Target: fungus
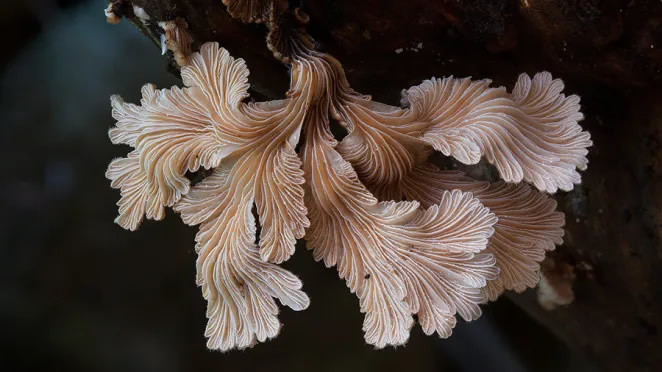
<point x="555" y="288"/>
<point x="111" y="16"/>
<point x="176" y="39"/>
<point x="251" y="11"/>
<point x="452" y="244"/>
<point x="532" y="135"/>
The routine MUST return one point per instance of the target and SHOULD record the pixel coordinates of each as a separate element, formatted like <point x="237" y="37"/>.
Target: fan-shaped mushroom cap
<point x="398" y="258"/>
<point x="251" y="146"/>
<point x="250" y="11"/>
<point x="386" y="146"/>
<point x="528" y="224"/>
<point x="138" y="197"/>
<point x="111" y="16"/>
<point x="459" y="243"/>
<point x="176" y="39"/>
<point x="531" y="135"/>
<point x="239" y="286"/>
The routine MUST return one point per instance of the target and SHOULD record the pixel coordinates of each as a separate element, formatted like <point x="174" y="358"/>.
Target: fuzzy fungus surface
<point x="407" y="237"/>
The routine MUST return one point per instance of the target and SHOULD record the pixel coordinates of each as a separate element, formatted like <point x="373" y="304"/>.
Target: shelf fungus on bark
<point x="450" y="245"/>
<point x="251" y="11"/>
<point x="176" y="38"/>
<point x="530" y="135"/>
<point x="111" y="14"/>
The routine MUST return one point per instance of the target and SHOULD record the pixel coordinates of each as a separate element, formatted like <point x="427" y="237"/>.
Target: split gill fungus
<point x="407" y="237"/>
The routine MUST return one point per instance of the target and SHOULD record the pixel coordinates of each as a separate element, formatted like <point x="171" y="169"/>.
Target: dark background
<point x="78" y="293"/>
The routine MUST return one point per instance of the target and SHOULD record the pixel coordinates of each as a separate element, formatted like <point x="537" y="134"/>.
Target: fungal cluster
<point x="408" y="238"/>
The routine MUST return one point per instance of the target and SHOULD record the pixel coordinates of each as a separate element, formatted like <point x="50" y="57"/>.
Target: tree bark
<point x="608" y="52"/>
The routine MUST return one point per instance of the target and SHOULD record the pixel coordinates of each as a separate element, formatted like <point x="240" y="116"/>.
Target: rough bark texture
<point x="609" y="52"/>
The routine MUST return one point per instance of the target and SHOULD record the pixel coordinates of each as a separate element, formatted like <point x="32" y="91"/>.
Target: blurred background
<point x="78" y="293"/>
